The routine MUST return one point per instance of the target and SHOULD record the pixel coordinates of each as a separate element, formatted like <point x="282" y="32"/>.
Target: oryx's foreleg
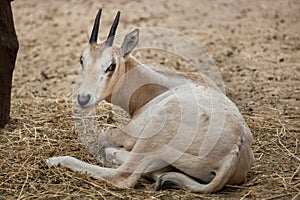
<point x="115" y="176"/>
<point x="118" y="138"/>
<point x="77" y="165"/>
<point x="116" y="156"/>
<point x="125" y="176"/>
<point x="115" y="147"/>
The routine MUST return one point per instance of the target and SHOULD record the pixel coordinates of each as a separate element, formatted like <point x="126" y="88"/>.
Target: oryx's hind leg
<point x="218" y="178"/>
<point x="176" y="180"/>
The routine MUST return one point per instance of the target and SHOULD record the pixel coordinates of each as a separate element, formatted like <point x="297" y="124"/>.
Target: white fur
<point x="188" y="125"/>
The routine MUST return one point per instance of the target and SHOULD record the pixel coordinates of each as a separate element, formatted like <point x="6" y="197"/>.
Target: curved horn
<point x="112" y="32"/>
<point x="94" y="34"/>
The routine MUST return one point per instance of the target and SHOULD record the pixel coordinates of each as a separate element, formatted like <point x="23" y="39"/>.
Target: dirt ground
<point x="255" y="44"/>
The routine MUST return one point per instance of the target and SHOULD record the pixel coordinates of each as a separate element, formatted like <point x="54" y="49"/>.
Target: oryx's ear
<point x="130" y="41"/>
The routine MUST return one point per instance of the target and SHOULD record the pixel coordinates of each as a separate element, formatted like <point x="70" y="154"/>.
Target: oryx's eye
<point x="111" y="68"/>
<point x="81" y="60"/>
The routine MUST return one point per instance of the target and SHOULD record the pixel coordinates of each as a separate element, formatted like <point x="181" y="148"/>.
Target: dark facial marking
<point x="111" y="68"/>
<point x="81" y="60"/>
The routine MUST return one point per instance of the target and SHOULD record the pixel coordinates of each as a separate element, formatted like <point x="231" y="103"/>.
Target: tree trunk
<point x="8" y="52"/>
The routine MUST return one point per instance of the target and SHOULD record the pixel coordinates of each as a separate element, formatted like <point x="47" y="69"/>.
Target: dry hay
<point x="265" y="88"/>
<point x="37" y="134"/>
<point x="34" y="135"/>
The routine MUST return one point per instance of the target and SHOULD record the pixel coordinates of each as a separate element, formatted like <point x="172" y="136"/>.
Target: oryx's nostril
<point x="83" y="99"/>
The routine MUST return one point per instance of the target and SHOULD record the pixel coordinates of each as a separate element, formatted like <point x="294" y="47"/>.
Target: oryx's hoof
<point x="164" y="182"/>
<point x="56" y="161"/>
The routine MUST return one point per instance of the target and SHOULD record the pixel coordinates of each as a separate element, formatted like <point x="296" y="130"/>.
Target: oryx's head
<point x="103" y="64"/>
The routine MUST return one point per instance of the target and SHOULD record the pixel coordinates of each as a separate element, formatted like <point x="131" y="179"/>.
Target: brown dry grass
<point x="255" y="44"/>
